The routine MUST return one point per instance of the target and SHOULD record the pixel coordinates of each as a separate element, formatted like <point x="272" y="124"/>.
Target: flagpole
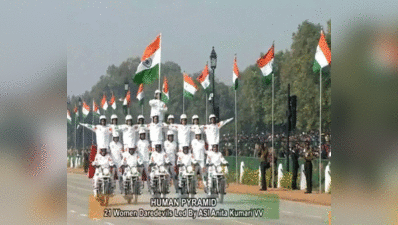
<point x="320" y="128"/>
<point x="92" y="133"/>
<point x="236" y="140"/>
<point x="83" y="133"/>
<point x="160" y="63"/>
<point x="142" y="109"/>
<point x="273" y="150"/>
<point x="206" y="108"/>
<point x="183" y="97"/>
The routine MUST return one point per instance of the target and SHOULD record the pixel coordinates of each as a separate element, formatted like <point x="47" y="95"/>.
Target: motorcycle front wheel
<point x="221" y="190"/>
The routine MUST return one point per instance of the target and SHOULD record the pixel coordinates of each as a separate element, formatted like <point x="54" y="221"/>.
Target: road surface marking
<point x="318" y="217"/>
<point x="286" y="212"/>
<point x="83" y="215"/>
<point x="73" y="211"/>
<point x="242" y="222"/>
<point x="108" y="223"/>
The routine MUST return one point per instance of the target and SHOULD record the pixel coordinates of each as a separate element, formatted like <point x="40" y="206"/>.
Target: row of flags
<point x="148" y="70"/>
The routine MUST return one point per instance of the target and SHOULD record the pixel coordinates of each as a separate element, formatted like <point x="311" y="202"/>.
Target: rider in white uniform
<point x="195" y="126"/>
<point x="130" y="158"/>
<point x="213" y="130"/>
<point x="170" y="147"/>
<point x="156" y="131"/>
<point x="184" y="132"/>
<point x="198" y="150"/>
<point x="159" y="158"/>
<point x="157" y="106"/>
<point x="102" y="159"/>
<point x="184" y="158"/>
<point x="214" y="157"/>
<point x="143" y="149"/>
<point x="129" y="132"/>
<point x="114" y="126"/>
<point x="116" y="153"/>
<point x="102" y="132"/>
<point x="170" y="120"/>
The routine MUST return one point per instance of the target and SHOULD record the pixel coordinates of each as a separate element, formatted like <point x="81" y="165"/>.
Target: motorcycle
<point x="217" y="181"/>
<point x="132" y="183"/>
<point x="160" y="180"/>
<point x="104" y="187"/>
<point x="187" y="181"/>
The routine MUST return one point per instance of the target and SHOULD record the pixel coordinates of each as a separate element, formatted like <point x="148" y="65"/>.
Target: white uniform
<point x="114" y="129"/>
<point x="141" y="127"/>
<point x="198" y="149"/>
<point x="215" y="158"/>
<point x="129" y="135"/>
<point x="158" y="108"/>
<point x="102" y="161"/>
<point x="156" y="133"/>
<point x="170" y="149"/>
<point x="143" y="149"/>
<point x="116" y="154"/>
<point x="185" y="159"/>
<point x="159" y="159"/>
<point x="213" y="132"/>
<point x="168" y="127"/>
<point x="184" y="135"/>
<point x="102" y="134"/>
<point x="131" y="160"/>
<point x="195" y="128"/>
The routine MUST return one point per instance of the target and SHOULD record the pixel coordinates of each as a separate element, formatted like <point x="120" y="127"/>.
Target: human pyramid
<point x="138" y="150"/>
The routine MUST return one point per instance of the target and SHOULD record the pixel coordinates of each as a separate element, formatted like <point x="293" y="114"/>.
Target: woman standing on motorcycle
<point x="185" y="159"/>
<point x="102" y="160"/>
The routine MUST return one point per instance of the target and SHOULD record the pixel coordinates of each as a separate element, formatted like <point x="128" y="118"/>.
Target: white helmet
<point x="195" y="117"/>
<point x="183" y="116"/>
<point x="170" y="117"/>
<point x="102" y="117"/>
<point x="129" y="117"/>
<point x="114" y="116"/>
<point x="157" y="92"/>
<point x="115" y="134"/>
<point x="142" y="131"/>
<point x="140" y="117"/>
<point x="155" y="115"/>
<point x="170" y="132"/>
<point x="212" y="116"/>
<point x="131" y="145"/>
<point x="197" y="131"/>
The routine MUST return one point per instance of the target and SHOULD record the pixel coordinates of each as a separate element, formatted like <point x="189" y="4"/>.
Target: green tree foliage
<point x="254" y="95"/>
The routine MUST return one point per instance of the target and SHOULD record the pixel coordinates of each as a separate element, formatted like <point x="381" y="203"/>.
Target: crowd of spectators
<point x="246" y="143"/>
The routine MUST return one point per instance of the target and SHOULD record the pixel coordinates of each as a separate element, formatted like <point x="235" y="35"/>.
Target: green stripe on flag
<point x="165" y="99"/>
<point x="188" y="94"/>
<point x="236" y="84"/>
<point x="147" y="76"/>
<point x="316" y="67"/>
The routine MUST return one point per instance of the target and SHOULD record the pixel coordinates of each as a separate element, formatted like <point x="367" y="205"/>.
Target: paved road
<point x="80" y="187"/>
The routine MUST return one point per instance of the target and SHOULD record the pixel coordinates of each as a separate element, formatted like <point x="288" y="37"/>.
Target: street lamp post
<point x="213" y="65"/>
<point x="80" y="118"/>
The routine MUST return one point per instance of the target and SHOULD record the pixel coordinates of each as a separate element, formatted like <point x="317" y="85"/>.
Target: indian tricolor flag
<point x="204" y="78"/>
<point x="235" y="75"/>
<point x="96" y="110"/>
<point x="112" y="102"/>
<point x="68" y="117"/>
<point x="165" y="91"/>
<point x="140" y="94"/>
<point x="189" y="86"/>
<point x="86" y="109"/>
<point x="104" y="102"/>
<point x="265" y="62"/>
<point x="127" y="99"/>
<point x="148" y="69"/>
<point x="323" y="57"/>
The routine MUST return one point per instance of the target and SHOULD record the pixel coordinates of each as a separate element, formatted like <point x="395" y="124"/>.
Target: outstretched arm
<point x="88" y="126"/>
<point x="224" y="122"/>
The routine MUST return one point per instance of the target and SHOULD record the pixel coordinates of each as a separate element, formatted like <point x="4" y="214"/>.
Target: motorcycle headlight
<point x="219" y="169"/>
<point x="134" y="170"/>
<point x="105" y="171"/>
<point x="189" y="169"/>
<point x="161" y="169"/>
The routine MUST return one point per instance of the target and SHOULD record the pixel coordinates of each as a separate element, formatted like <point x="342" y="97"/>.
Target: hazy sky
<point x="102" y="33"/>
